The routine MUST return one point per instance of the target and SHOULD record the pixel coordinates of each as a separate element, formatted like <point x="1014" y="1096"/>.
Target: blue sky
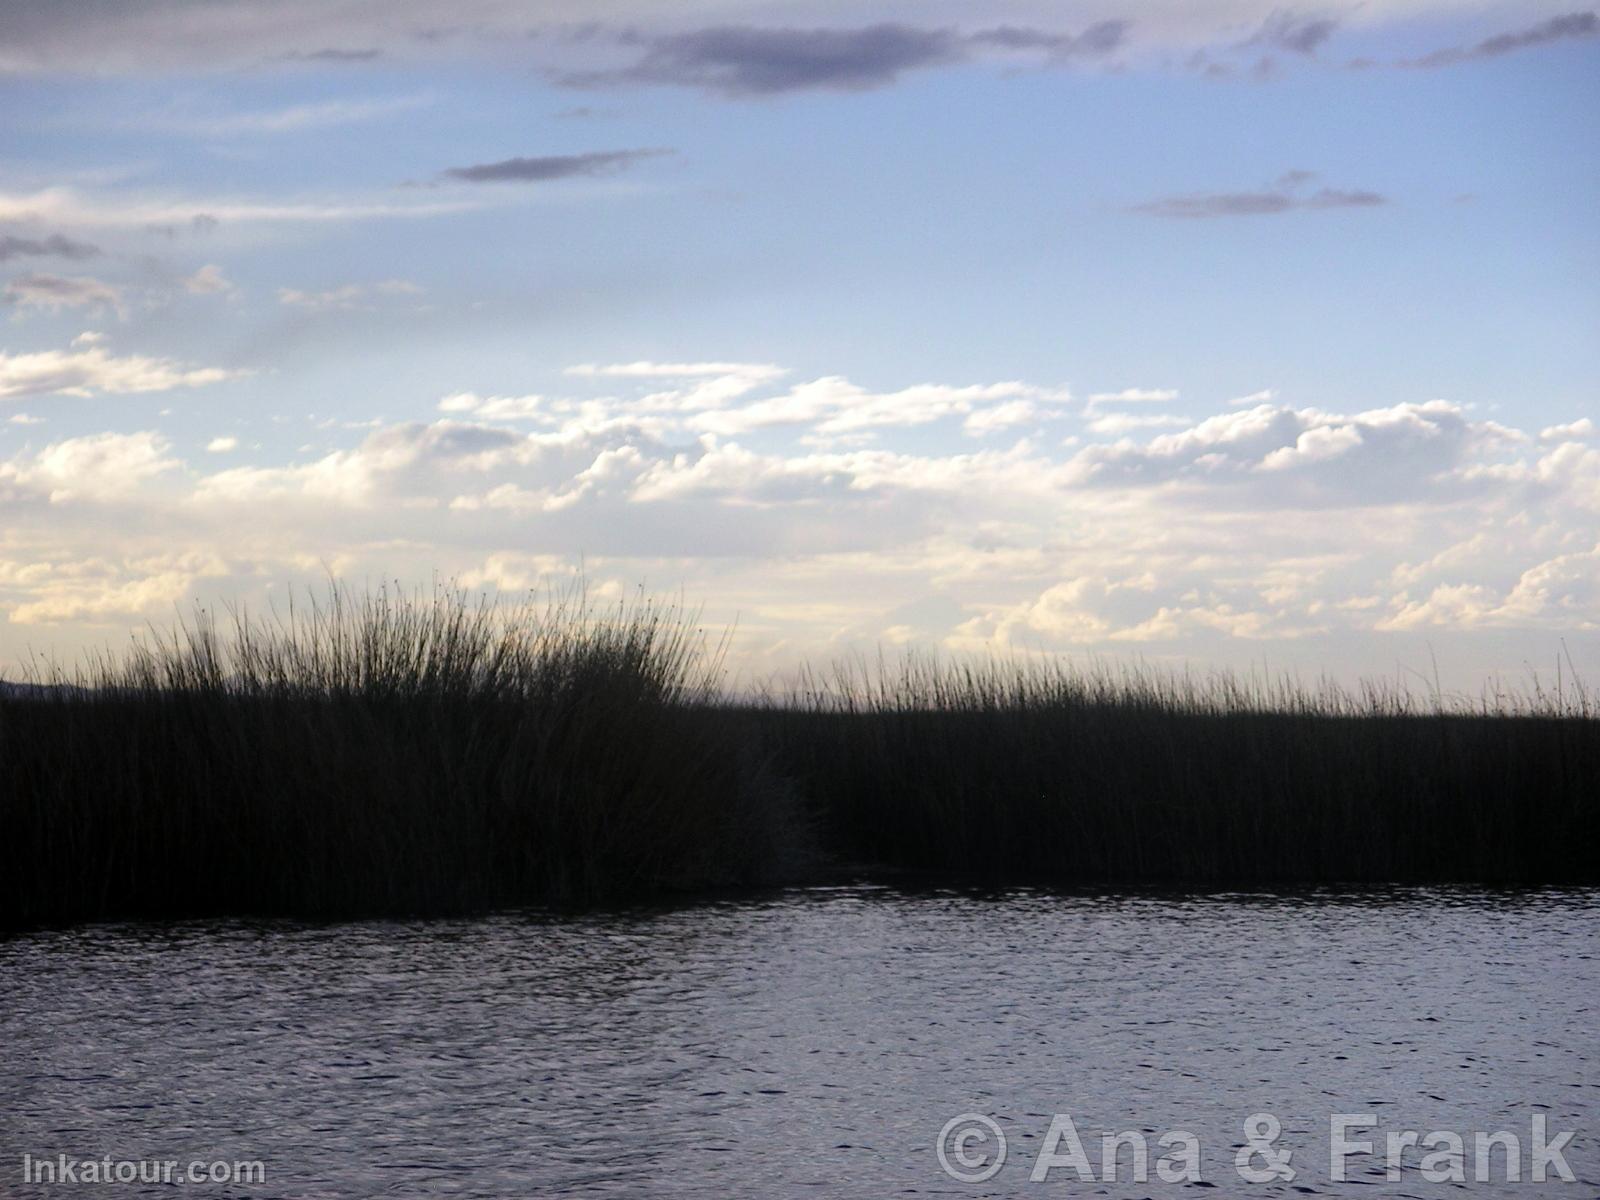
<point x="1230" y="333"/>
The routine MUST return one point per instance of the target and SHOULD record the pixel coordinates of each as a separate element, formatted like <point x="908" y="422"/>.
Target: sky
<point x="1212" y="333"/>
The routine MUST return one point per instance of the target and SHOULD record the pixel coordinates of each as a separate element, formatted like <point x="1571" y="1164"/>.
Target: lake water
<point x="808" y="1043"/>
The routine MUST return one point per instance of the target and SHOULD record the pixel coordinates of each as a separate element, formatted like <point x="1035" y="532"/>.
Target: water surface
<point x="809" y="1043"/>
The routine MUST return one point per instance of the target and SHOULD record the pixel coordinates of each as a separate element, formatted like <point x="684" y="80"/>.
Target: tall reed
<point x="383" y="754"/>
<point x="1015" y="770"/>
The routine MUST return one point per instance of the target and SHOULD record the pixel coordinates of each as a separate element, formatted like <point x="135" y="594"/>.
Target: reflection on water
<point x="807" y="1043"/>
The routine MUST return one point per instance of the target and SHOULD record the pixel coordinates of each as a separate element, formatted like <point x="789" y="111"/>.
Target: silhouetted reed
<point x="380" y="755"/>
<point x="1011" y="771"/>
<point x="392" y="755"/>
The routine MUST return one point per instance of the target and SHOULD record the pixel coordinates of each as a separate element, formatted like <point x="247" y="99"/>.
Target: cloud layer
<point x="815" y="512"/>
<point x="741" y="49"/>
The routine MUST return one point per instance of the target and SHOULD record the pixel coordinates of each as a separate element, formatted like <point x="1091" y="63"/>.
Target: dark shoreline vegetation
<point x="383" y="755"/>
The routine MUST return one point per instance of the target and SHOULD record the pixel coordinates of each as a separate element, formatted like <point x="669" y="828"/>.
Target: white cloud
<point x="495" y="408"/>
<point x="1563" y="591"/>
<point x="208" y="281"/>
<point x="730" y="471"/>
<point x="1134" y="396"/>
<point x="222" y="445"/>
<point x="1116" y="423"/>
<point x="348" y="296"/>
<point x="397" y="462"/>
<point x="1583" y="427"/>
<point x="833" y="406"/>
<point x="513" y="571"/>
<point x="94" y="590"/>
<point x="699" y="385"/>
<point x="98" y="467"/>
<point x="123" y="209"/>
<point x="150" y="594"/>
<point x="1314" y="445"/>
<point x="84" y="372"/>
<point x="644" y="369"/>
<point x="734" y="474"/>
<point x="294" y="118"/>
<point x="1008" y="415"/>
<point x="1311" y="457"/>
<point x="1265" y="396"/>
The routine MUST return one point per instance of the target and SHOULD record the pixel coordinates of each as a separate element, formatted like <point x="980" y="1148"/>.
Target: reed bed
<point x="1011" y="771"/>
<point x="380" y="754"/>
<point x="405" y="754"/>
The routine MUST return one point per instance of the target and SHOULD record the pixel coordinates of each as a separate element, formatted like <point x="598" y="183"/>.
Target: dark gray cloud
<point x="1096" y="40"/>
<point x="587" y="112"/>
<point x="56" y="292"/>
<point x="743" y="60"/>
<point x="54" y="246"/>
<point x="1288" y="194"/>
<point x="1557" y="29"/>
<point x="199" y="225"/>
<point x="1343" y="198"/>
<point x="1218" y="204"/>
<point x="747" y="60"/>
<point x="550" y="167"/>
<point x="333" y="54"/>
<point x="1298" y="35"/>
